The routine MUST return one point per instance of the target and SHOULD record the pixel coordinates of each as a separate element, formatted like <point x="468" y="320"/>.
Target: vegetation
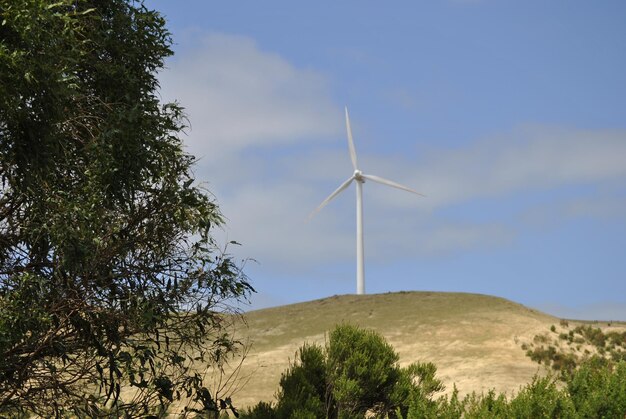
<point x="110" y="283"/>
<point x="356" y="373"/>
<point x="575" y="346"/>
<point x="312" y="388"/>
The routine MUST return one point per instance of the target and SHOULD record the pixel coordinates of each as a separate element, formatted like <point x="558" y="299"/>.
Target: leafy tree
<point x="303" y="387"/>
<point x="261" y="410"/>
<point x="451" y="407"/>
<point x="414" y="392"/>
<point x="109" y="276"/>
<point x="489" y="405"/>
<point x="598" y="389"/>
<point x="362" y="369"/>
<point x="357" y="373"/>
<point x="542" y="399"/>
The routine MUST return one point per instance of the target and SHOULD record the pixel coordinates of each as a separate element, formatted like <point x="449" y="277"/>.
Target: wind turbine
<point x="359" y="177"/>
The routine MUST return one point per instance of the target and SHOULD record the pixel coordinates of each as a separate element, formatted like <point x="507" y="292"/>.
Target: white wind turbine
<point x="359" y="177"/>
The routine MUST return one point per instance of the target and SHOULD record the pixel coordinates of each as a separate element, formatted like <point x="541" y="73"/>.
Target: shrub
<point x="262" y="410"/>
<point x="564" y="362"/>
<point x="541" y="399"/>
<point x="542" y="355"/>
<point x="357" y="373"/>
<point x="362" y="369"/>
<point x="595" y="336"/>
<point x="616" y="338"/>
<point x="490" y="405"/>
<point x="452" y="408"/>
<point x="415" y="389"/>
<point x="598" y="389"/>
<point x="303" y="385"/>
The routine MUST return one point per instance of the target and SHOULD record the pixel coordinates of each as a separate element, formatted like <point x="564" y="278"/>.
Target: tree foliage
<point x="598" y="388"/>
<point x="109" y="276"/>
<point x="357" y="373"/>
<point x="304" y="386"/>
<point x="363" y="370"/>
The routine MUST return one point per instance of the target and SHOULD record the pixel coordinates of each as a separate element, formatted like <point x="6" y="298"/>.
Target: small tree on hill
<point x="109" y="277"/>
<point x="362" y="370"/>
<point x="355" y="374"/>
<point x="304" y="386"/>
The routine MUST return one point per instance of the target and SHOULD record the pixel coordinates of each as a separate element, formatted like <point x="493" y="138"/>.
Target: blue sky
<point x="509" y="116"/>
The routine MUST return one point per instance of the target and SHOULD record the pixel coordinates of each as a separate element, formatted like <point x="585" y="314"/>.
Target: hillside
<point x="475" y="340"/>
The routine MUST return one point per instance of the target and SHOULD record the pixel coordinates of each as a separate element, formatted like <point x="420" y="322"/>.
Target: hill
<point x="475" y="340"/>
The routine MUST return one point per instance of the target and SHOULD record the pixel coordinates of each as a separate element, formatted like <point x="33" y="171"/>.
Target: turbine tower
<point x="359" y="177"/>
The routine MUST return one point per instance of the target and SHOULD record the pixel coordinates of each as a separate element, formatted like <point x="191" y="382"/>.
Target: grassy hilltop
<point x="475" y="340"/>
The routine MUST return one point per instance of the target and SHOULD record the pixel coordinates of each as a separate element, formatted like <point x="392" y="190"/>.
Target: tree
<point x="413" y="394"/>
<point x="598" y="388"/>
<point x="355" y="374"/>
<point x="542" y="399"/>
<point x="109" y="277"/>
<point x="363" y="370"/>
<point x="303" y="387"/>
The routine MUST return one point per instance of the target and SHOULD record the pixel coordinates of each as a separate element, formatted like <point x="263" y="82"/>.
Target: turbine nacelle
<point x="358" y="176"/>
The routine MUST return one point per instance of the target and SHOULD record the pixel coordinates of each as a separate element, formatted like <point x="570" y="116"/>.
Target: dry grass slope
<point x="473" y="339"/>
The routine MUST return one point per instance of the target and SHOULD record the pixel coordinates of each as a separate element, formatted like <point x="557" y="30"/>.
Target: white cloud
<point x="528" y="159"/>
<point x="238" y="96"/>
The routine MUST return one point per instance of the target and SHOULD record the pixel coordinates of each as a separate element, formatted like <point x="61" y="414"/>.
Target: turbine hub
<point x="358" y="176"/>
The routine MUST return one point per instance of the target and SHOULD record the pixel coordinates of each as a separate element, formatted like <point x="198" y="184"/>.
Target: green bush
<point x="303" y="386"/>
<point x="541" y="399"/>
<point x="452" y="408"/>
<point x="594" y="335"/>
<point x="564" y="362"/>
<point x="357" y="373"/>
<point x="598" y="389"/>
<point x="362" y="369"/>
<point x="413" y="393"/>
<point x="617" y="338"/>
<point x="262" y="410"/>
<point x="490" y="405"/>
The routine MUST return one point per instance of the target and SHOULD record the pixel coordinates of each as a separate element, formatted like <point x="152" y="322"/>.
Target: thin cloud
<point x="528" y="159"/>
<point x="238" y="96"/>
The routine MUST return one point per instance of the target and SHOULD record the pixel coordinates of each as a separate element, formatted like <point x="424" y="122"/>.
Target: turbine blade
<point x="391" y="183"/>
<point x="340" y="189"/>
<point x="351" y="142"/>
